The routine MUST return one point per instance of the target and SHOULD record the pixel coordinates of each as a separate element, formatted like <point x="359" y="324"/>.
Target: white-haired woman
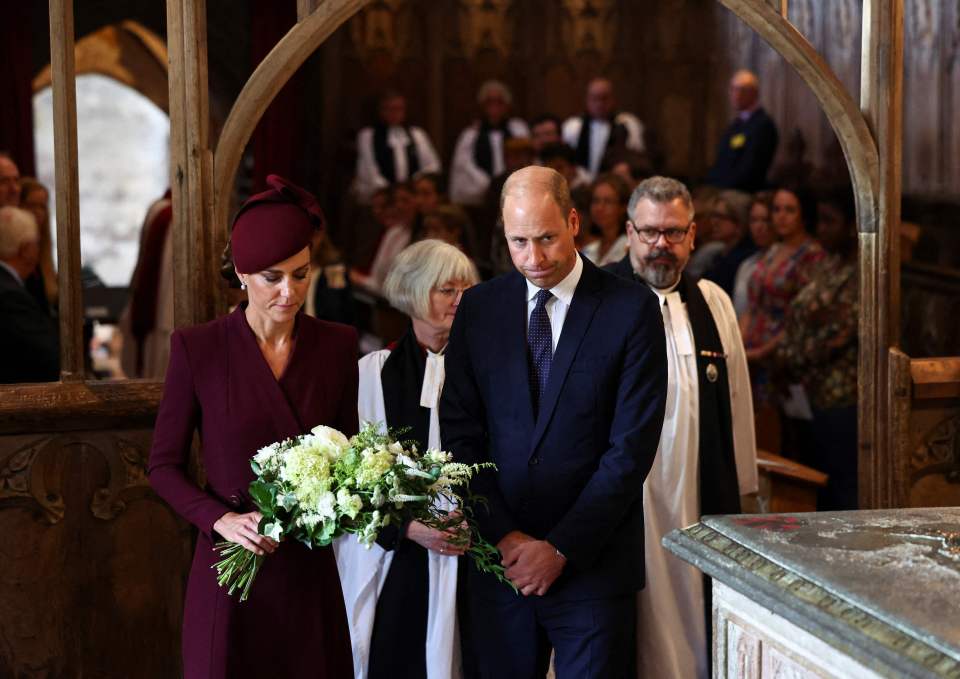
<point x="401" y="593"/>
<point x="478" y="156"/>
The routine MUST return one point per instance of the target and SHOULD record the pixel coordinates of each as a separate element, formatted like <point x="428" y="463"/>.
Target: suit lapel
<point x="579" y="315"/>
<point x="515" y="350"/>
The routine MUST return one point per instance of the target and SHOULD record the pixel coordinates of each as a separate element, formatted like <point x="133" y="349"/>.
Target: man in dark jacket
<point x="556" y="373"/>
<point x="29" y="346"/>
<point x="749" y="143"/>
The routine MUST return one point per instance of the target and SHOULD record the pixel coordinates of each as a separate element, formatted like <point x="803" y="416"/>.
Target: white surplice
<point x="368" y="177"/>
<point x="363" y="571"/>
<point x="671" y="616"/>
<point x="468" y="181"/>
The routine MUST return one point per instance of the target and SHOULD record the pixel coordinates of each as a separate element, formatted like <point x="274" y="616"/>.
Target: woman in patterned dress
<point x="780" y="274"/>
<point x="819" y="350"/>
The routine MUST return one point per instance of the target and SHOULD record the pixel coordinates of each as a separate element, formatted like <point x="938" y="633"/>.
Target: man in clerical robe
<point x="602" y="130"/>
<point x="391" y="151"/>
<point x="707" y="454"/>
<point x="478" y="155"/>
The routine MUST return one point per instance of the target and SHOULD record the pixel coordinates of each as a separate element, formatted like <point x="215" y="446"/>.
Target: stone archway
<point x="127" y="52"/>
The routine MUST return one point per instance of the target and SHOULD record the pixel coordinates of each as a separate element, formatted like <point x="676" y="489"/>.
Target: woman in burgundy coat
<point x="263" y="373"/>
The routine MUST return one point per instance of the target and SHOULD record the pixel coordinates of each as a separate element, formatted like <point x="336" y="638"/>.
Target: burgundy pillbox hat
<point x="274" y="225"/>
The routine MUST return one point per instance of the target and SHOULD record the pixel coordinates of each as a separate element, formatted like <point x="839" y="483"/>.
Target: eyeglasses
<point x="650" y="235"/>
<point x="451" y="291"/>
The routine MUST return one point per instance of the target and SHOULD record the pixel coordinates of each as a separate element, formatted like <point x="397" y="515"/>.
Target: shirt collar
<point x="746" y="113"/>
<point x="13" y="272"/>
<point x="564" y="289"/>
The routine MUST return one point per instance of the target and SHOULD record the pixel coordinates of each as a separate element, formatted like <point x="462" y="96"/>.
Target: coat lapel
<point x="515" y="352"/>
<point x="265" y="386"/>
<point x="579" y="315"/>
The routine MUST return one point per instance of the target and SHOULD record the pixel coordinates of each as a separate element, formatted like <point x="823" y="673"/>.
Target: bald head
<point x="744" y="90"/>
<point x="538" y="181"/>
<point x="600" y="99"/>
<point x="540" y="225"/>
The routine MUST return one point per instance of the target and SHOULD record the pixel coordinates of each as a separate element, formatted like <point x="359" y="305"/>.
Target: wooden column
<point x="72" y="350"/>
<point x="881" y="102"/>
<point x="191" y="165"/>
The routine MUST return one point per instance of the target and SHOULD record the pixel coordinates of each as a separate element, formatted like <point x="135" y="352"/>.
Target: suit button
<point x="534" y="461"/>
<point x="235" y="500"/>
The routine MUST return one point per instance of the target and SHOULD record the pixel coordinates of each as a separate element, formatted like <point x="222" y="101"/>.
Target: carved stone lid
<point x="882" y="586"/>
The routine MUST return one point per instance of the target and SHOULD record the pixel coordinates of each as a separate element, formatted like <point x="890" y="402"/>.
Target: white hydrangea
<point x="349" y="504"/>
<point x="326" y="506"/>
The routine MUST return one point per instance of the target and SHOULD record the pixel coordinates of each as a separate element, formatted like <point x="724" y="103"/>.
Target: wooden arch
<point x="263" y="86"/>
<point x="869" y="134"/>
<point x="842" y="112"/>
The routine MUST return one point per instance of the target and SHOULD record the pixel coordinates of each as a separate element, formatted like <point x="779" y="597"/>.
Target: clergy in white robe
<point x="401" y="594"/>
<point x="707" y="454"/>
<point x="391" y="151"/>
<point x="602" y="128"/>
<point x="478" y="155"/>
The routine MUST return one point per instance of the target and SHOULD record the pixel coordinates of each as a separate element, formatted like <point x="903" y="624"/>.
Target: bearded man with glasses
<point x="707" y="454"/>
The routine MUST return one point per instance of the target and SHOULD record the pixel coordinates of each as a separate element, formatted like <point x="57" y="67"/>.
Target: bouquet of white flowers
<point x="321" y="485"/>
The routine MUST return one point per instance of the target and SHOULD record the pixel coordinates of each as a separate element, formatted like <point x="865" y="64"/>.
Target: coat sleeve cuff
<point x="208" y="515"/>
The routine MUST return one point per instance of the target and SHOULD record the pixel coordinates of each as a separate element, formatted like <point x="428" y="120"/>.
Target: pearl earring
<point x="243" y="286"/>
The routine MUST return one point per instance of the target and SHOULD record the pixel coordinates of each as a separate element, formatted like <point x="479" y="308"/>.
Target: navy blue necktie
<point x="539" y="347"/>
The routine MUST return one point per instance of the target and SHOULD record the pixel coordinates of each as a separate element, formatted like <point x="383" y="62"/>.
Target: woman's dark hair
<point x="808" y="205"/>
<point x="227" y="269"/>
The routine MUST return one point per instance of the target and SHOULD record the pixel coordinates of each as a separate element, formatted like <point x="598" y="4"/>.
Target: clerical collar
<point x="564" y="289"/>
<point x="662" y="293"/>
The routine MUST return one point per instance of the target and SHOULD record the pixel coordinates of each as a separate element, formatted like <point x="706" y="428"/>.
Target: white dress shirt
<point x="558" y="305"/>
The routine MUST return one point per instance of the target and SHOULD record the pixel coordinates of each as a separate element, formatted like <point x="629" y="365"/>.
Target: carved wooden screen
<point x="92" y="561"/>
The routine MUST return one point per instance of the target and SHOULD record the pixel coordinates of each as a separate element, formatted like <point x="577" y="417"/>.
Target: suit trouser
<point x="513" y="637"/>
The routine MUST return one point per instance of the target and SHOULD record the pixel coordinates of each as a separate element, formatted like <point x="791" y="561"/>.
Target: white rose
<point x="330" y="437"/>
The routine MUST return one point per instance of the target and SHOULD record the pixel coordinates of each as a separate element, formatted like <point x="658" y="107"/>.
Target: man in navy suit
<point x="749" y="143"/>
<point x="556" y="373"/>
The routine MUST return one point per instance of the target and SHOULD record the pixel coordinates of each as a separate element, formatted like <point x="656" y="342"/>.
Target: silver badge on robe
<point x="712" y="372"/>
